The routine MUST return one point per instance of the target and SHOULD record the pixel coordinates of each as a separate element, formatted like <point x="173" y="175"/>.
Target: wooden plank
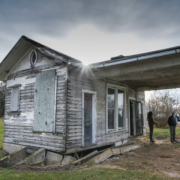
<point x="85" y="157"/>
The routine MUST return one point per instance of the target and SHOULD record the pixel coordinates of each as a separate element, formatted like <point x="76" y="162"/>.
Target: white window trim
<point x="131" y="98"/>
<point x="94" y="115"/>
<point x="116" y="108"/>
<point x="30" y="55"/>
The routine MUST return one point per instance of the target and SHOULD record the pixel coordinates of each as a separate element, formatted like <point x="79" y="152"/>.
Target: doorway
<point x="88" y="118"/>
<point x="136" y="118"/>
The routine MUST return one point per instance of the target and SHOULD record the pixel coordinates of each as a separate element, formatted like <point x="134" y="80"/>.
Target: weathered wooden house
<point x="55" y="102"/>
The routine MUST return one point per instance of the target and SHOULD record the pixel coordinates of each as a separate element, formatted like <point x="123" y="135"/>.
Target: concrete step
<point x="26" y="155"/>
<point x="13" y="158"/>
<point x="111" y="152"/>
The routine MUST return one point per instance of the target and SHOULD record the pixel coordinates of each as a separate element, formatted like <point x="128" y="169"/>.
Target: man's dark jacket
<point x="171" y="121"/>
<point x="151" y="121"/>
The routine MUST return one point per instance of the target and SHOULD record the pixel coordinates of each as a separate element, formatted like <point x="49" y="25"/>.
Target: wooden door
<point x="87" y="118"/>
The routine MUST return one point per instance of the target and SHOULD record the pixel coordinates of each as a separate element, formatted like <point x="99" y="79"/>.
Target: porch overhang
<point x="148" y="71"/>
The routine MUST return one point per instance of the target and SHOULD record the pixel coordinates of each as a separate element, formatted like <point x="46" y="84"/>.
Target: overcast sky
<point x="91" y="30"/>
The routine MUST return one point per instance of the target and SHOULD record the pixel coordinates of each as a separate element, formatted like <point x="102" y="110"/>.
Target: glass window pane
<point x="139" y="110"/>
<point x="120" y="118"/>
<point x="15" y="99"/>
<point x="111" y="98"/>
<point x="110" y="119"/>
<point x="120" y="99"/>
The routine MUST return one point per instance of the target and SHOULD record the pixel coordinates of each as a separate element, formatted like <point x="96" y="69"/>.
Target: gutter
<point x="134" y="59"/>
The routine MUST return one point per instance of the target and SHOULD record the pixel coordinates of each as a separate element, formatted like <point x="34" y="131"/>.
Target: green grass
<point x="92" y="173"/>
<point x="1" y="131"/>
<point x="164" y="133"/>
<point x="99" y="174"/>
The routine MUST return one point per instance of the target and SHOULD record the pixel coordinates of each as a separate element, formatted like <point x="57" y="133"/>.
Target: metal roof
<point x="137" y="57"/>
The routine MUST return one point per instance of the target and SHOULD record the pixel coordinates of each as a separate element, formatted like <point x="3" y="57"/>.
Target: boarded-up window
<point x="44" y="102"/>
<point x="15" y="99"/>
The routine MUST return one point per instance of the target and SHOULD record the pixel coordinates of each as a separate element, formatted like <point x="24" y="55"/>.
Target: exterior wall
<point x="78" y="81"/>
<point x="18" y="130"/>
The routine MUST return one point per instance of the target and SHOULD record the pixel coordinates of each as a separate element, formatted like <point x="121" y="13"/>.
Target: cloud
<point x="145" y="19"/>
<point x="60" y="16"/>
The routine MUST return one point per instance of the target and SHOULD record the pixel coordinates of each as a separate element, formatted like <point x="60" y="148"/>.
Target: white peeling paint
<point x="10" y="120"/>
<point x="29" y="117"/>
<point x="21" y="80"/>
<point x="43" y="134"/>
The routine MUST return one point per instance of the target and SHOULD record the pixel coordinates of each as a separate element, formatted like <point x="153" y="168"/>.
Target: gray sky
<point x="91" y="30"/>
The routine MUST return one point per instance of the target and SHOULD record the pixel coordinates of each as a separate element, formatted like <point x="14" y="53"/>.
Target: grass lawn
<point x="164" y="133"/>
<point x="92" y="173"/>
<point x="82" y="174"/>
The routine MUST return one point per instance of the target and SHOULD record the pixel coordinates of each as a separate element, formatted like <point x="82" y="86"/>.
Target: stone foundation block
<point x="53" y="158"/>
<point x="68" y="160"/>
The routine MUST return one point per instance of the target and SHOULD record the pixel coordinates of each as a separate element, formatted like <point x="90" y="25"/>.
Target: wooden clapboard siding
<point x="76" y="82"/>
<point x="19" y="129"/>
<point x="61" y="97"/>
<point x="68" y="117"/>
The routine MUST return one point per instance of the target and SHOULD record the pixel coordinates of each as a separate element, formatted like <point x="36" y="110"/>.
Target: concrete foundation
<point x="129" y="148"/>
<point x="53" y="158"/>
<point x="68" y="160"/>
<point x="103" y="156"/>
<point x="13" y="158"/>
<point x="120" y="143"/>
<point x="116" y="152"/>
<point x="37" y="157"/>
<point x="11" y="148"/>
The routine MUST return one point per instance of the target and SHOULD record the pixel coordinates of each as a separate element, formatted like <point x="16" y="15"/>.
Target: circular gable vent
<point x="33" y="58"/>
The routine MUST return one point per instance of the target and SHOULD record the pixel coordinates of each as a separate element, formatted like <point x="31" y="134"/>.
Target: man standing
<point x="172" y="126"/>
<point x="151" y="124"/>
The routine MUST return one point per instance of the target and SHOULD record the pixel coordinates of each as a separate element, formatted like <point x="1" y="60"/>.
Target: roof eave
<point x="139" y="57"/>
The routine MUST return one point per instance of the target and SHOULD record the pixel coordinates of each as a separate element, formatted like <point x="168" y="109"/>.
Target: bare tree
<point x="162" y="104"/>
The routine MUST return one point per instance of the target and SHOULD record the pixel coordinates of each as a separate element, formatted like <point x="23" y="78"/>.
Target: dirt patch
<point x="109" y="167"/>
<point x="161" y="157"/>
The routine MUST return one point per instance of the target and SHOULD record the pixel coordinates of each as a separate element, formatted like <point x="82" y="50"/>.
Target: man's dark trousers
<point x="172" y="133"/>
<point x="151" y="132"/>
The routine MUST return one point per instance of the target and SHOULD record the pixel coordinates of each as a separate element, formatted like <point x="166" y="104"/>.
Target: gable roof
<point x="21" y="46"/>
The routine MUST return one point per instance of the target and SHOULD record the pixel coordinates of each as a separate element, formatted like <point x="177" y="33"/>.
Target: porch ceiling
<point x="150" y="74"/>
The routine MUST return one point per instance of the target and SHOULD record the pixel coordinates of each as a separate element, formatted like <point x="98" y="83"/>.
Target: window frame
<point x="116" y="128"/>
<point x="32" y="65"/>
<point x="12" y="112"/>
<point x="111" y="108"/>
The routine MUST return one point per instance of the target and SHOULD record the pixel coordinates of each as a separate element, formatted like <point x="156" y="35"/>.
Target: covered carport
<point x="148" y="71"/>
